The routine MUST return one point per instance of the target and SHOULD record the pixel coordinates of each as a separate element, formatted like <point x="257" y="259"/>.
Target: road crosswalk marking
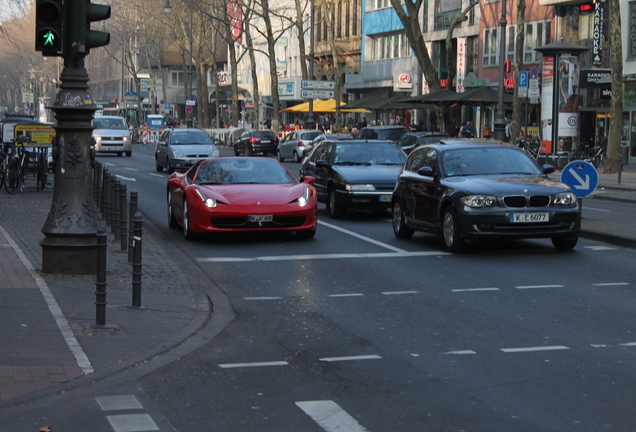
<point x="330" y="416"/>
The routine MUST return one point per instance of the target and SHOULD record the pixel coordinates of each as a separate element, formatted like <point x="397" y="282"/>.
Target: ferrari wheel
<point x="400" y="229"/>
<point x="189" y="235"/>
<point x="172" y="222"/>
<point x="306" y="234"/>
<point x="450" y="231"/>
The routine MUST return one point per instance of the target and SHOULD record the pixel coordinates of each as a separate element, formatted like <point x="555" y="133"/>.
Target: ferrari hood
<point x="254" y="194"/>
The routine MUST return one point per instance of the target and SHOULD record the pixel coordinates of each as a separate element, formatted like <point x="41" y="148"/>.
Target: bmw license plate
<point x="529" y="217"/>
<point x="259" y="218"/>
<point x="385" y="198"/>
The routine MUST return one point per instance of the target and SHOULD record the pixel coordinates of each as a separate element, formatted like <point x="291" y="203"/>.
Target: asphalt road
<point x="356" y="330"/>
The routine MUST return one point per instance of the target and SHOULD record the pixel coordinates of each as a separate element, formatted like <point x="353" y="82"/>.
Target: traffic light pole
<point x="70" y="243"/>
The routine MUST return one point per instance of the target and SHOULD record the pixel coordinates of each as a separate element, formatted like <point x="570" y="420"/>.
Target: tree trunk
<point x="614" y="139"/>
<point x="517" y="102"/>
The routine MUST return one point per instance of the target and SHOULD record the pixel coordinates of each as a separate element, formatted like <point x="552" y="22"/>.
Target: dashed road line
<point x="351" y="358"/>
<point x="537" y="286"/>
<point x="347" y="295"/>
<point x="475" y="289"/>
<point x="387" y="293"/>
<point x="537" y="348"/>
<point x="330" y="416"/>
<point x="253" y="364"/>
<point x="262" y="298"/>
<point x="461" y="352"/>
<point x="611" y="284"/>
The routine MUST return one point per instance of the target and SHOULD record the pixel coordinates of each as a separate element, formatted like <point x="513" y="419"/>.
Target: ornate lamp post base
<point x="70" y="245"/>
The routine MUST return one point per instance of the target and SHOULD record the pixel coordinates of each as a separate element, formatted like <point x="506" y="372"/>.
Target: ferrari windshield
<point x="243" y="171"/>
<point x="488" y="161"/>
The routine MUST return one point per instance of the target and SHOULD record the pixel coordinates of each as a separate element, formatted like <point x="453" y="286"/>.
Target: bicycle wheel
<point x="13" y="176"/>
<point x="599" y="161"/>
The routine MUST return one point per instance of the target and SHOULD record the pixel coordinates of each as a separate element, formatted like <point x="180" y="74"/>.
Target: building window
<point x="445" y="13"/>
<point x="354" y="24"/>
<point x="538" y="34"/>
<point x="390" y="46"/>
<point x="491" y="47"/>
<point x="177" y="79"/>
<point x="340" y="21"/>
<point x="346" y="20"/>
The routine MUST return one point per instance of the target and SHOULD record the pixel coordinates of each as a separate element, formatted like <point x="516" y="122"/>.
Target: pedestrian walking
<point x="468" y="130"/>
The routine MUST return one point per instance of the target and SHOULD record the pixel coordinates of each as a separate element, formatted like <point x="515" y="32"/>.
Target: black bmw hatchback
<point x="467" y="189"/>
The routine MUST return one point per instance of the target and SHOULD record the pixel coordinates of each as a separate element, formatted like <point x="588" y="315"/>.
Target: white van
<point x="111" y="135"/>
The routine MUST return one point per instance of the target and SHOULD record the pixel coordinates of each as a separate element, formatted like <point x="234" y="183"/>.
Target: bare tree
<point x="517" y="111"/>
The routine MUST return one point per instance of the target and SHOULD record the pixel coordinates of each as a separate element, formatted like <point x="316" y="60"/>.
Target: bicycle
<point x="18" y="165"/>
<point x="532" y="149"/>
<point x="6" y="152"/>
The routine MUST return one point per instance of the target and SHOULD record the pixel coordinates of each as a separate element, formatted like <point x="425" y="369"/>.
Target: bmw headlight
<point x="178" y="154"/>
<point x="215" y="153"/>
<point x="209" y="202"/>
<point x="360" y="187"/>
<point x="479" y="201"/>
<point x="303" y="200"/>
<point x="565" y="198"/>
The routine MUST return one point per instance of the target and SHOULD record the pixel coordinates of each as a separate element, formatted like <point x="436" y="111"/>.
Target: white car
<point x="294" y="145"/>
<point x="111" y="135"/>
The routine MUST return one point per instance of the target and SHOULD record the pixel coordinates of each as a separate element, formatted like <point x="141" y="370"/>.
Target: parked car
<point x="256" y="141"/>
<point x="411" y="140"/>
<point x="111" y="135"/>
<point x="179" y="149"/>
<point x="392" y="133"/>
<point x="295" y="144"/>
<point x="354" y="173"/>
<point x="240" y="194"/>
<point x="467" y="189"/>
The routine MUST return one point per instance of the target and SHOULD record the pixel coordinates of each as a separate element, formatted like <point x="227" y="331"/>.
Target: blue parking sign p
<point x="523" y="79"/>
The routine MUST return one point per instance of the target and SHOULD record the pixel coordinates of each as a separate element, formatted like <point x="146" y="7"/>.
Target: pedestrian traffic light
<point x="94" y="38"/>
<point x="49" y="27"/>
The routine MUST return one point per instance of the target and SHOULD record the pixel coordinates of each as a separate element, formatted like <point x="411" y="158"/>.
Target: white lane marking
<point x="262" y="298"/>
<point x="67" y="332"/>
<point x="537" y="286"/>
<point x="253" y="364"/>
<point x="351" y="358"/>
<point x="126" y="178"/>
<point x="132" y="422"/>
<point x="330" y="416"/>
<point x="108" y="163"/>
<point x="599" y="248"/>
<point x="131" y="169"/>
<point x="156" y="175"/>
<point x="538" y="348"/>
<point x="346" y="295"/>
<point x="475" y="289"/>
<point x="399" y="292"/>
<point x="321" y="256"/>
<point x="461" y="352"/>
<point x="629" y="344"/>
<point x="611" y="284"/>
<point x="596" y="209"/>
<point x="119" y="402"/>
<point x="361" y="237"/>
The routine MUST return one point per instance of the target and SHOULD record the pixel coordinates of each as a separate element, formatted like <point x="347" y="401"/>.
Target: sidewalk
<point x="47" y="340"/>
<point x="48" y="343"/>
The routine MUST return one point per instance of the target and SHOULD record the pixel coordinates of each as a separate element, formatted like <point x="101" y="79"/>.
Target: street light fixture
<point x="167" y="9"/>
<point x="500" y="123"/>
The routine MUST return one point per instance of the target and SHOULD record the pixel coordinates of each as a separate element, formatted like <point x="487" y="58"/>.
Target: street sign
<point x="534" y="73"/>
<point x="523" y="79"/>
<point x="523" y="92"/>
<point x="188" y="109"/>
<point x="320" y="85"/>
<point x="533" y="83"/>
<point x="316" y="94"/>
<point x="581" y="176"/>
<point x="534" y="92"/>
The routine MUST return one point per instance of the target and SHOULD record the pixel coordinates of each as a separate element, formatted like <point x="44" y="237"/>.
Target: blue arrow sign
<point x="523" y="79"/>
<point x="581" y="176"/>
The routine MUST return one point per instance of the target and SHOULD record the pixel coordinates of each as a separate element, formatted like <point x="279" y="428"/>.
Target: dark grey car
<point x="179" y="149"/>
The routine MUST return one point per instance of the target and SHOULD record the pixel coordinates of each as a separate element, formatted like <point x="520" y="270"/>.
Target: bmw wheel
<point x="564" y="243"/>
<point x="450" y="231"/>
<point x="400" y="229"/>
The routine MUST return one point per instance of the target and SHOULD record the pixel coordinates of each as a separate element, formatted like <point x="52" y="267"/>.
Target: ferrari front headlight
<point x="209" y="202"/>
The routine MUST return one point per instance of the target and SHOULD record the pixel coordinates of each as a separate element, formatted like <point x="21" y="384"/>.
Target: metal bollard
<point x="123" y="221"/>
<point x="105" y="196"/>
<point x="97" y="177"/>
<point x="116" y="218"/>
<point x="100" y="280"/>
<point x="131" y="213"/>
<point x="136" y="264"/>
<point x="620" y="167"/>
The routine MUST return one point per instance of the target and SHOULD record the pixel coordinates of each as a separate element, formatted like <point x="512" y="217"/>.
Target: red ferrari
<point x="241" y="194"/>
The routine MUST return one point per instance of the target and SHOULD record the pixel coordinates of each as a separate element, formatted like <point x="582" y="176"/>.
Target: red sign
<point x="235" y="16"/>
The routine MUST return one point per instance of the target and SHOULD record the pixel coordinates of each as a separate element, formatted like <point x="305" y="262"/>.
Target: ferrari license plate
<point x="529" y="217"/>
<point x="385" y="198"/>
<point x="259" y="218"/>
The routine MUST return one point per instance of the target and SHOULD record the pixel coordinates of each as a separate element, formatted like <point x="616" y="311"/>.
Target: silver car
<point x="111" y="135"/>
<point x="179" y="149"/>
<point x="294" y="145"/>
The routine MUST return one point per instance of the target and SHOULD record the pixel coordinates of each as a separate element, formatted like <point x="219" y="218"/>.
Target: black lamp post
<point x="311" y="120"/>
<point x="499" y="124"/>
